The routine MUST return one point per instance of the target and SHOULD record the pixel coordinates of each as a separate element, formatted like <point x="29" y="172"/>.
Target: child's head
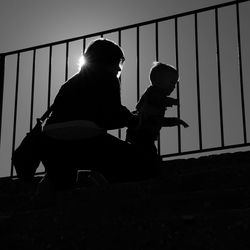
<point x="163" y="76"/>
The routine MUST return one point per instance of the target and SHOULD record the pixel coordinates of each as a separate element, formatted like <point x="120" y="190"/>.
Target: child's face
<point x="168" y="83"/>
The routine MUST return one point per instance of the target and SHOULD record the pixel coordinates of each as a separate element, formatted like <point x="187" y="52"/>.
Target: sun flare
<point x="81" y="62"/>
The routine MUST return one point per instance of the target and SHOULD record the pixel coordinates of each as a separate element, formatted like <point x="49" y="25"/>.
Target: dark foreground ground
<point x="198" y="204"/>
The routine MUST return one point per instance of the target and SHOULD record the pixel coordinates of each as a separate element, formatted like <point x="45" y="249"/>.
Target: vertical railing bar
<point x="219" y="76"/>
<point x="138" y="61"/>
<point x="156" y="41"/>
<point x="119" y="38"/>
<point x="32" y="88"/>
<point x="177" y="87"/>
<point x="157" y="59"/>
<point x="49" y="76"/>
<point x="83" y="45"/>
<point x="241" y="73"/>
<point x="2" y="71"/>
<point x="119" y="43"/>
<point x="67" y="61"/>
<point x="15" y="111"/>
<point x="198" y="79"/>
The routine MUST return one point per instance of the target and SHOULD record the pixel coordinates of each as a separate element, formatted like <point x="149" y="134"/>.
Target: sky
<point x="31" y="22"/>
<point x="28" y="23"/>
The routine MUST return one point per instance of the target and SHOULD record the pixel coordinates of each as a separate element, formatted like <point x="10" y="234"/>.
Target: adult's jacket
<point x="93" y="95"/>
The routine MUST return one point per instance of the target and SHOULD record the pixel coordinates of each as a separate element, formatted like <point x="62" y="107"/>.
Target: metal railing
<point x="214" y="13"/>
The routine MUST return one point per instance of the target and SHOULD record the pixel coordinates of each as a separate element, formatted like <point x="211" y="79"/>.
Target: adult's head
<point x="105" y="53"/>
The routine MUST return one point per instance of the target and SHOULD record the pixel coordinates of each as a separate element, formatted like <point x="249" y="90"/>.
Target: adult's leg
<point x="120" y="161"/>
<point x="59" y="166"/>
<point x="116" y="159"/>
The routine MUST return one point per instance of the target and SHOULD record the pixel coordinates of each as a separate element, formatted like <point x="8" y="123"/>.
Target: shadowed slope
<point x="199" y="203"/>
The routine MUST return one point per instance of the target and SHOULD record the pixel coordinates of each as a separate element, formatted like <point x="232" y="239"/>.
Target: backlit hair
<point x="103" y="51"/>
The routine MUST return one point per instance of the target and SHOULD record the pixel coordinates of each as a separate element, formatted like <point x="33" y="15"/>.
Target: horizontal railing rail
<point x="131" y="26"/>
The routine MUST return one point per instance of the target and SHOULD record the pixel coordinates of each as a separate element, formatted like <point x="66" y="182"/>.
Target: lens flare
<point x="81" y="62"/>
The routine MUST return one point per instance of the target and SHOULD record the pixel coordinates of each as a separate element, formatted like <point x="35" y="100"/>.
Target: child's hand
<point x="184" y="124"/>
<point x="171" y="102"/>
<point x="135" y="112"/>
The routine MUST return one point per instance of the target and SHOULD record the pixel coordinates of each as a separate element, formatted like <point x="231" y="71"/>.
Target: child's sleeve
<point x="169" y="121"/>
<point x="173" y="121"/>
<point x="169" y="102"/>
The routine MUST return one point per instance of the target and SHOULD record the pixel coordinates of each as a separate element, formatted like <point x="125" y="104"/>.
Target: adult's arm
<point x="114" y="114"/>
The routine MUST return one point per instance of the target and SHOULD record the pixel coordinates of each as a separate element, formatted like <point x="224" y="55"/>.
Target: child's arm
<point x="173" y="121"/>
<point x="169" y="102"/>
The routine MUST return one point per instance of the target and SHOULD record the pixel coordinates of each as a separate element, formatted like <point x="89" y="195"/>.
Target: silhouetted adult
<point x="85" y="108"/>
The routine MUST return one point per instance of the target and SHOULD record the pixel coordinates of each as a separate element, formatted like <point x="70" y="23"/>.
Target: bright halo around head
<point x="81" y="62"/>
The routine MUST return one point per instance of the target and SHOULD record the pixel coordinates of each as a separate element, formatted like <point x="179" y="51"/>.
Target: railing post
<point x="177" y="87"/>
<point x="67" y="61"/>
<point x="241" y="74"/>
<point x="2" y="68"/>
<point x="198" y="78"/>
<point x="15" y="111"/>
<point x="138" y="61"/>
<point x="49" y="76"/>
<point x="32" y="88"/>
<point x="120" y="43"/>
<point x="157" y="59"/>
<point x="219" y="75"/>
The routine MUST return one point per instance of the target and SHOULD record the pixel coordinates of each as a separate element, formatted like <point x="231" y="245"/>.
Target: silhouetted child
<point x="153" y="104"/>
